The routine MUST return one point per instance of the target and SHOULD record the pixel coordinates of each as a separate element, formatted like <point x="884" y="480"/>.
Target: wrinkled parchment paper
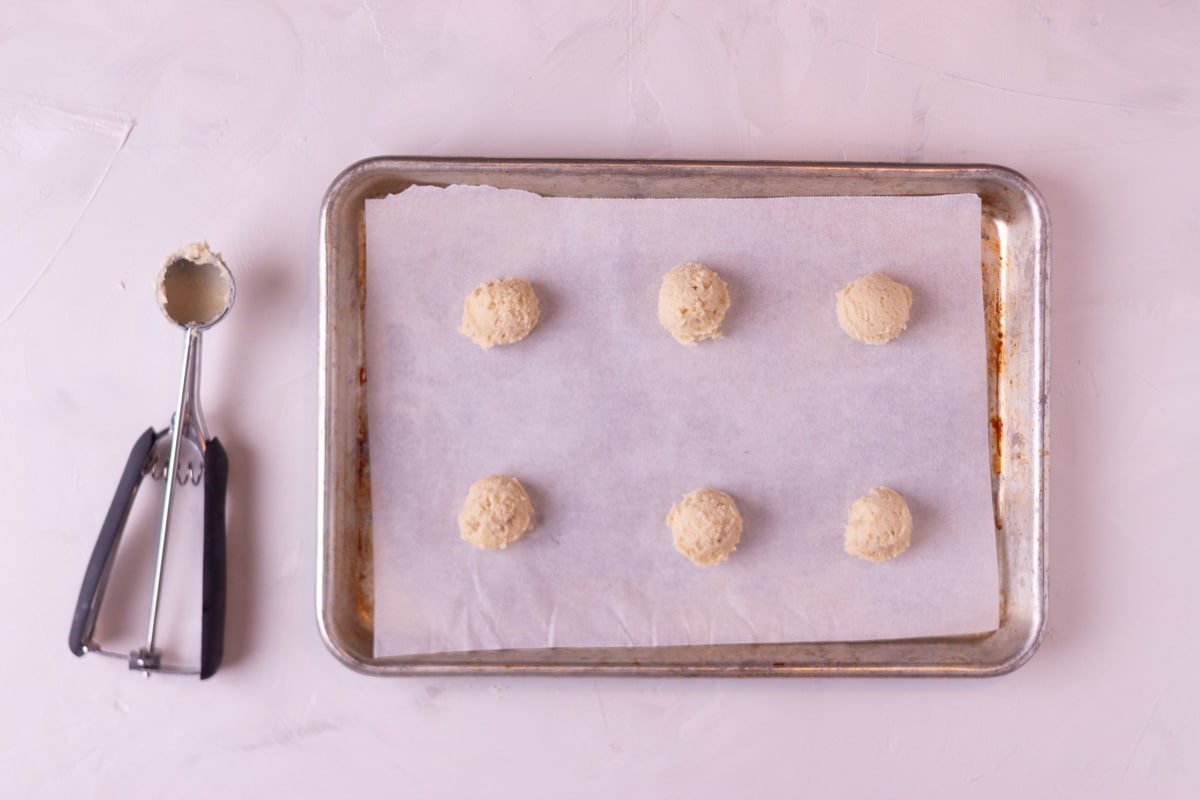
<point x="607" y="421"/>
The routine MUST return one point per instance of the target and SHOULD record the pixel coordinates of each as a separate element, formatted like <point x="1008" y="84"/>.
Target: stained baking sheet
<point x="1014" y="265"/>
<point x="608" y="420"/>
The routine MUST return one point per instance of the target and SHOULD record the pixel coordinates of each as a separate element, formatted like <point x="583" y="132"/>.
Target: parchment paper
<point x="607" y="421"/>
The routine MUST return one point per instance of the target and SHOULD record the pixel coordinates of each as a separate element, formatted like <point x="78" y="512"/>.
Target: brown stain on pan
<point x="364" y="543"/>
<point x="993" y="309"/>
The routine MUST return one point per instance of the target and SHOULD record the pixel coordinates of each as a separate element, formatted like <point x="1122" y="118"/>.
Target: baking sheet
<point x="608" y="421"/>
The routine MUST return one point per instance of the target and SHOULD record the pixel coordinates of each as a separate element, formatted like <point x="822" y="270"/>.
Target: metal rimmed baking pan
<point x="1014" y="230"/>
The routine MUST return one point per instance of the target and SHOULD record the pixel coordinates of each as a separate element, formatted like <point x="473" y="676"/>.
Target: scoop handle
<point x="212" y="612"/>
<point x="95" y="580"/>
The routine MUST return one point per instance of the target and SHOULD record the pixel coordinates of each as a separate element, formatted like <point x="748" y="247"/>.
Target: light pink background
<point x="227" y="120"/>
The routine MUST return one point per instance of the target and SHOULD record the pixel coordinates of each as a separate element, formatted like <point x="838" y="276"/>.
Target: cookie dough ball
<point x="499" y="312"/>
<point x="706" y="526"/>
<point x="692" y="303"/>
<point x="873" y="309"/>
<point x="880" y="525"/>
<point x="497" y="513"/>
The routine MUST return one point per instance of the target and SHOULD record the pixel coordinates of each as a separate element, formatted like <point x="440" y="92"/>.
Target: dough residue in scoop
<point x="692" y="302"/>
<point x="873" y="309"/>
<point x="706" y="526"/>
<point x="497" y="512"/>
<point x="880" y="525"/>
<point x="194" y="286"/>
<point x="499" y="312"/>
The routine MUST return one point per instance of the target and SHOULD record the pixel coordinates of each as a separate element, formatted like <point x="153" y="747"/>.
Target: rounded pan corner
<point x="352" y="185"/>
<point x="343" y="186"/>
<point x="1016" y="182"/>
<point x="338" y="648"/>
<point x="1021" y="647"/>
<point x="354" y="174"/>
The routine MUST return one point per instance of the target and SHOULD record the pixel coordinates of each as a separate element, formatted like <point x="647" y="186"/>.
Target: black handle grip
<point x="212" y="612"/>
<point x="95" y="580"/>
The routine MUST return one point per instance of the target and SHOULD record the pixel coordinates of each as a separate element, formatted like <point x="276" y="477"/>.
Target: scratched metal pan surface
<point x="1014" y="229"/>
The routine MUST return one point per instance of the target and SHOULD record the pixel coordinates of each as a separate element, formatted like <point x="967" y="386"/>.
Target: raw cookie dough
<point x="692" y="303"/>
<point x="497" y="513"/>
<point x="880" y="525"/>
<point x="499" y="312"/>
<point x="873" y="309"/>
<point x="706" y="526"/>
